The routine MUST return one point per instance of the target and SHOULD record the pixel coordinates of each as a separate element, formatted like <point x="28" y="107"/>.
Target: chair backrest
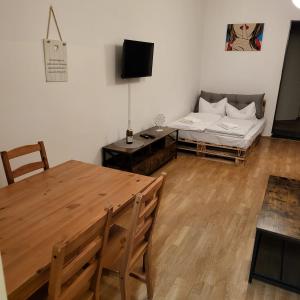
<point x="76" y="265"/>
<point x="28" y="168"/>
<point x="3" y="295"/>
<point x="143" y="219"/>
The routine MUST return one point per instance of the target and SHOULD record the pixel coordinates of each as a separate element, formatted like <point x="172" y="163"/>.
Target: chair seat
<point x="115" y="248"/>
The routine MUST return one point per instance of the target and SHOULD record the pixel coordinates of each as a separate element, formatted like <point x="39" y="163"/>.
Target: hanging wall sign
<point x="55" y="60"/>
<point x="55" y="53"/>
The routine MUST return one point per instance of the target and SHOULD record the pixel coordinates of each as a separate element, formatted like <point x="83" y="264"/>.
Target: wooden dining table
<point x="48" y="207"/>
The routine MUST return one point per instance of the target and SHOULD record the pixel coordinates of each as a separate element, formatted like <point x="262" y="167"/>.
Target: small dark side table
<point x="276" y="253"/>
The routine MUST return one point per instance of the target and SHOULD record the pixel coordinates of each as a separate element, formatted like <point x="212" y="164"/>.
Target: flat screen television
<point x="137" y="59"/>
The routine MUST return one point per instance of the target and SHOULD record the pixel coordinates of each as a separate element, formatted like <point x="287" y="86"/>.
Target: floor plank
<point x="203" y="248"/>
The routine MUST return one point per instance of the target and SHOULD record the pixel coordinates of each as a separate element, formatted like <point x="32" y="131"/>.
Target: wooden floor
<point x="204" y="236"/>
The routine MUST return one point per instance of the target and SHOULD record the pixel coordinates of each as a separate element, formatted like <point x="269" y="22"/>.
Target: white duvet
<point x="232" y="127"/>
<point x="216" y="124"/>
<point x="196" y="121"/>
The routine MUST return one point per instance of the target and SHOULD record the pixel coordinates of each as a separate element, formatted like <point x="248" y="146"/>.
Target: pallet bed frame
<point x="220" y="152"/>
<point x="208" y="150"/>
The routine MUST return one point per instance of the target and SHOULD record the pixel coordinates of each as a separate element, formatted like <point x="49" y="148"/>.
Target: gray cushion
<point x="237" y="100"/>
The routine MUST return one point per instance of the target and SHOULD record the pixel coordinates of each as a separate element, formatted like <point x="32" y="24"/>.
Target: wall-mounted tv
<point x="137" y="59"/>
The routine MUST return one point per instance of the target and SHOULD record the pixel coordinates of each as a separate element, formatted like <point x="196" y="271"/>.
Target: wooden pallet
<point x="208" y="150"/>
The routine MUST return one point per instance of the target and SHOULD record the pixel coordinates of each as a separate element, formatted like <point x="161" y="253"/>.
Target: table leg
<point x="176" y="143"/>
<point x="130" y="158"/>
<point x="255" y="253"/>
<point x="282" y="259"/>
<point x="103" y="157"/>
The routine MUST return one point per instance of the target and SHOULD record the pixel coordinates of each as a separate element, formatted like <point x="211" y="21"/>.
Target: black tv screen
<point x="137" y="59"/>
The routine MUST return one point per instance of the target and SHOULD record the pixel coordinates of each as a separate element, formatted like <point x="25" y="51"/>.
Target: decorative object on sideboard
<point x="159" y="121"/>
<point x="296" y="3"/>
<point x="244" y="37"/>
<point x="129" y="136"/>
<point x="55" y="55"/>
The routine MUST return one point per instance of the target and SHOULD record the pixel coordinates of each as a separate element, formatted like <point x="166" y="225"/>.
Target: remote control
<point x="147" y="136"/>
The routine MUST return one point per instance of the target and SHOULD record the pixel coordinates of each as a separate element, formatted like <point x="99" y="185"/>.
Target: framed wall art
<point x="244" y="37"/>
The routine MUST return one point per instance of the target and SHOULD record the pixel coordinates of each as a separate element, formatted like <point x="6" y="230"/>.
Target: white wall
<point x="77" y="118"/>
<point x="246" y="72"/>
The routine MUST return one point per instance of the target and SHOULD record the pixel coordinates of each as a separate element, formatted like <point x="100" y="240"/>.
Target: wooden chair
<point x="136" y="241"/>
<point x="28" y="168"/>
<point x="76" y="265"/>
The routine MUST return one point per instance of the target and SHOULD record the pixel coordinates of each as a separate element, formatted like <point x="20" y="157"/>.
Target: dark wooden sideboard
<point x="144" y="156"/>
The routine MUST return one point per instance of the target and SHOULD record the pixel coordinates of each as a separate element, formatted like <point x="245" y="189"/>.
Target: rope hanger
<point x="52" y="14"/>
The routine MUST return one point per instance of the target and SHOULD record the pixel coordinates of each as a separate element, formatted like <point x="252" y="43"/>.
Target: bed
<point x="207" y="139"/>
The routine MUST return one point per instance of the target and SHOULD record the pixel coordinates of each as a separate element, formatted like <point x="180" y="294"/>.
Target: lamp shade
<point x="296" y="3"/>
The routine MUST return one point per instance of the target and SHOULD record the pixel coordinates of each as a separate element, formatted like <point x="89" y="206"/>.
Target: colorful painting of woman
<point x="244" y="37"/>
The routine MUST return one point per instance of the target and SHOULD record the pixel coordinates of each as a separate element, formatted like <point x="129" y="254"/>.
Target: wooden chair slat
<point x="85" y="237"/>
<point x="28" y="169"/>
<point x="83" y="258"/>
<point x="143" y="230"/>
<point x="80" y="284"/>
<point x="44" y="155"/>
<point x="25" y="169"/>
<point x="152" y="189"/>
<point x="7" y="168"/>
<point x="140" y="277"/>
<point x="148" y="210"/>
<point x="138" y="253"/>
<point x="55" y="282"/>
<point x="23" y="150"/>
<point x="89" y="296"/>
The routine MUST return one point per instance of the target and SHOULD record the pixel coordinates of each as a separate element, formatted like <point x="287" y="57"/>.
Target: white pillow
<point x="247" y="113"/>
<point x="212" y="108"/>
